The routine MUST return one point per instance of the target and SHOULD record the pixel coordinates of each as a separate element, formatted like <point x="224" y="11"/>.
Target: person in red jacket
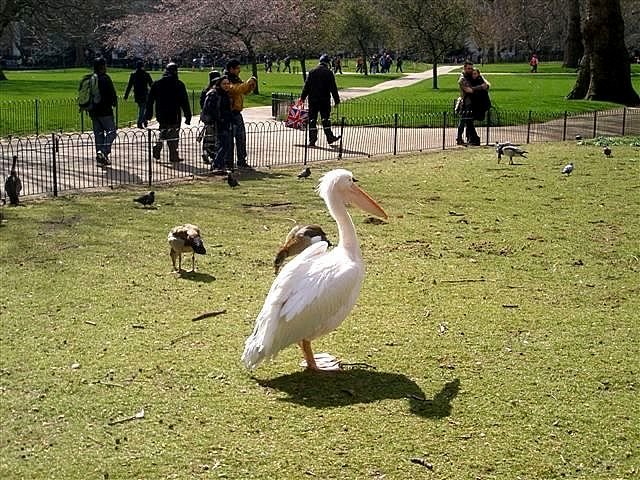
<point x="319" y="87"/>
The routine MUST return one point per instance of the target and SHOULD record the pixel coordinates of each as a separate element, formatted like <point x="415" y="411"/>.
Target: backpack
<point x="211" y="108"/>
<point x="88" y="92"/>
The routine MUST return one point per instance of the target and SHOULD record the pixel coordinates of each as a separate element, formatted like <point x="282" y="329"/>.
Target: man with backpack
<point x="169" y="95"/>
<point x="97" y="96"/>
<point x="140" y="81"/>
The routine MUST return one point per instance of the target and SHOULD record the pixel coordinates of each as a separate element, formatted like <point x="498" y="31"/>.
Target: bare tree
<point x="174" y="24"/>
<point x="301" y="30"/>
<point x="434" y="27"/>
<point x="357" y="24"/>
<point x="605" y="69"/>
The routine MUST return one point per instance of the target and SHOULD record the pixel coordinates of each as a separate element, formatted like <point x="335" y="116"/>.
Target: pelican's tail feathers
<point x="253" y="354"/>
<point x="260" y="344"/>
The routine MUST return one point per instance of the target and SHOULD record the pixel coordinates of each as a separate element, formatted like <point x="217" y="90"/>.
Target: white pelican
<point x="314" y="292"/>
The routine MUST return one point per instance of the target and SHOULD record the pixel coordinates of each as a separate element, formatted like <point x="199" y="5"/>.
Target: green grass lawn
<point x="512" y="88"/>
<point x="57" y="89"/>
<point x="499" y="315"/>
<point x="63" y="84"/>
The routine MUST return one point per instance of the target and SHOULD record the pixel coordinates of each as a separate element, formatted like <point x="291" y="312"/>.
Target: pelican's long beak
<point x="362" y="200"/>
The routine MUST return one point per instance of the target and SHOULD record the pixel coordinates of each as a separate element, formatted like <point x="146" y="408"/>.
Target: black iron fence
<point x="362" y="107"/>
<point x="38" y="117"/>
<point x="62" y="162"/>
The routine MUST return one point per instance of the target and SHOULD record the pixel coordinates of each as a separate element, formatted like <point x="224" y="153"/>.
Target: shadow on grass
<point x="362" y="386"/>
<point x="197" y="276"/>
<point x="334" y="149"/>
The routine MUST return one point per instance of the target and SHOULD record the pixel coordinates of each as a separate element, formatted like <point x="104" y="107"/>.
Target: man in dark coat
<point x="140" y="81"/>
<point x="170" y="98"/>
<point x="104" y="127"/>
<point x="319" y="87"/>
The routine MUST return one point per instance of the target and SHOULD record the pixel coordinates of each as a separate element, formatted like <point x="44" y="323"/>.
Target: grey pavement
<point x="262" y="114"/>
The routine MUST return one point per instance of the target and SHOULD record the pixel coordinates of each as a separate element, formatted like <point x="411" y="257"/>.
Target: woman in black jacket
<point x="223" y="123"/>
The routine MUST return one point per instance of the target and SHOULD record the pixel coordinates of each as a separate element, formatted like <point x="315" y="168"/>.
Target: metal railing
<point x="62" y="162"/>
<point x="39" y="117"/>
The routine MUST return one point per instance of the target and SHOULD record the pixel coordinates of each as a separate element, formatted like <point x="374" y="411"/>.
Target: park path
<point x="261" y="114"/>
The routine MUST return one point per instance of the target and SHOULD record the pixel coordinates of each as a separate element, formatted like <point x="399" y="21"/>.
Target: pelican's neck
<point x="347" y="238"/>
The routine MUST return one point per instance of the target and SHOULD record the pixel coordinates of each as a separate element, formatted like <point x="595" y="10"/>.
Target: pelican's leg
<point x="180" y="262"/>
<point x="193" y="262"/>
<point x="305" y="345"/>
<point x="321" y="362"/>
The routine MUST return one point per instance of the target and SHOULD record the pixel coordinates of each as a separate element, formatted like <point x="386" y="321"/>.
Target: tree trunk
<point x="251" y="54"/>
<point x="573" y="49"/>
<point x="608" y="77"/>
<point x="582" y="83"/>
<point x="303" y="67"/>
<point x="365" y="57"/>
<point x="435" y="75"/>
<point x="2" y="75"/>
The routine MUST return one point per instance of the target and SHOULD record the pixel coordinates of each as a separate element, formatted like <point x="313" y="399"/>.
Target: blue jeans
<point x="104" y="132"/>
<point x="239" y="134"/>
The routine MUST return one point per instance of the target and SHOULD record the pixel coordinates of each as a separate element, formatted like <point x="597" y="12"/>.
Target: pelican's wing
<point x="310" y="297"/>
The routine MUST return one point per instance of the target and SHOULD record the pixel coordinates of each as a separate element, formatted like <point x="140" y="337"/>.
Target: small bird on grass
<point x="607" y="151"/>
<point x="185" y="239"/>
<point x="568" y="169"/>
<point x="299" y="238"/>
<point x="510" y="151"/>
<point x="231" y="180"/>
<point x="146" y="200"/>
<point x="578" y="137"/>
<point x="13" y="185"/>
<point x="306" y="173"/>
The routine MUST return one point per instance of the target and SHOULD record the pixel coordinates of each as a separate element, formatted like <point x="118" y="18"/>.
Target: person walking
<point x="102" y="119"/>
<point x="287" y="64"/>
<point x="533" y="63"/>
<point x="399" y="64"/>
<point x="337" y="65"/>
<point x="169" y="95"/>
<point x="466" y="117"/>
<point x="319" y="87"/>
<point x="208" y="135"/>
<point x="140" y="81"/>
<point x="237" y="91"/>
